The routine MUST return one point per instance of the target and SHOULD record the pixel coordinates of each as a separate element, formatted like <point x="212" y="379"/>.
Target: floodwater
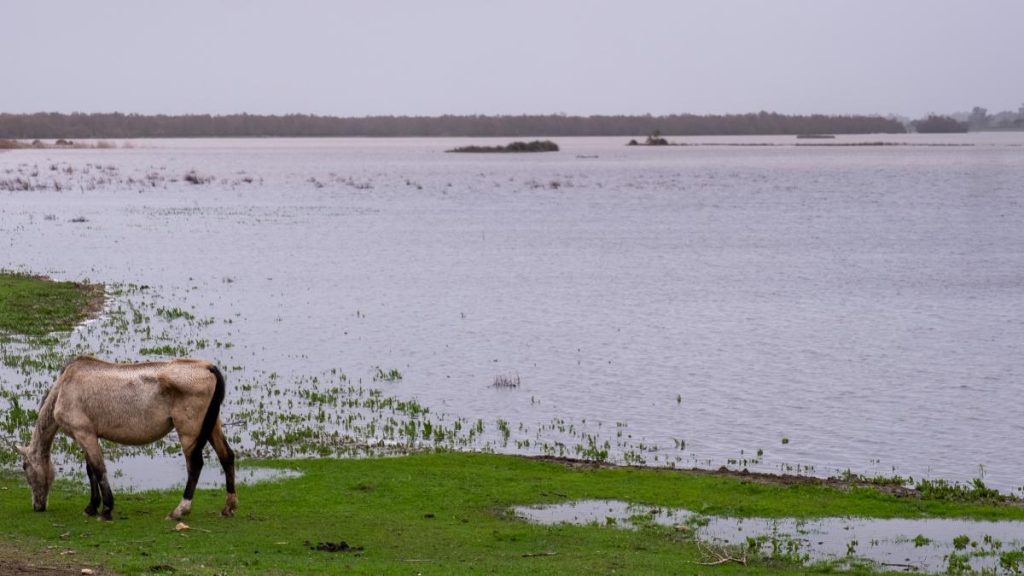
<point x="830" y="307"/>
<point x="923" y="545"/>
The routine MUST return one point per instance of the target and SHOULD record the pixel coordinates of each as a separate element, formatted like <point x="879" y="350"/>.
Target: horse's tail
<point x="212" y="412"/>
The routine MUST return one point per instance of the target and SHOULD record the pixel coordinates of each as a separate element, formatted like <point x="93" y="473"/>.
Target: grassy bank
<point x="441" y="513"/>
<point x="35" y="306"/>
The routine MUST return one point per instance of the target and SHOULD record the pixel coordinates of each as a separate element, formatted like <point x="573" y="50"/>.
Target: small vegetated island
<point x="514" y="147"/>
<point x="654" y="139"/>
<point x="36" y="305"/>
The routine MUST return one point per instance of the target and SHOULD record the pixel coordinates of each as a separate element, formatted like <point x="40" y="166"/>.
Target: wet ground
<point x="924" y="545"/>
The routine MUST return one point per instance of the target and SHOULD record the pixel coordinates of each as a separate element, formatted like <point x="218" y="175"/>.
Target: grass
<point x="438" y="513"/>
<point x="36" y="306"/>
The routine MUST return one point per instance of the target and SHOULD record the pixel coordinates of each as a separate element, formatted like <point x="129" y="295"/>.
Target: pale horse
<point x="130" y="404"/>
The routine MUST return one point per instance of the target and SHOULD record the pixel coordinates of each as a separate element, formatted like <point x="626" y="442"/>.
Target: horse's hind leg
<point x="227" y="461"/>
<point x="194" y="464"/>
<point x="99" y="485"/>
<point x="94" y="489"/>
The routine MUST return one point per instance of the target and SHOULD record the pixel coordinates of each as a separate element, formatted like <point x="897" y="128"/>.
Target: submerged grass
<point x="439" y="513"/>
<point x="36" y="306"/>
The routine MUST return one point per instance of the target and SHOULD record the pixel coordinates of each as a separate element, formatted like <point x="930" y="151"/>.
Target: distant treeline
<point x="117" y="125"/>
<point x="939" y="125"/>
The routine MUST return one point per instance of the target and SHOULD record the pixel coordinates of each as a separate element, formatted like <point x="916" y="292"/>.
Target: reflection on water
<point x="691" y="306"/>
<point x="145" y="473"/>
<point x="923" y="545"/>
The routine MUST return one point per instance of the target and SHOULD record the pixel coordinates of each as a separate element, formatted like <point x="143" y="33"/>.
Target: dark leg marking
<point x="227" y="462"/>
<point x="94" y="489"/>
<point x="107" y="495"/>
<point x="195" y="466"/>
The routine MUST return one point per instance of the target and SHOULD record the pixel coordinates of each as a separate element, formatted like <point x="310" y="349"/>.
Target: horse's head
<point x="39" y="472"/>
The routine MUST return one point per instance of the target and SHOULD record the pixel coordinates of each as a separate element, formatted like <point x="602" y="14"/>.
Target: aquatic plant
<point x="506" y="381"/>
<point x="193" y="177"/>
<point x="386" y="376"/>
<point x="943" y="490"/>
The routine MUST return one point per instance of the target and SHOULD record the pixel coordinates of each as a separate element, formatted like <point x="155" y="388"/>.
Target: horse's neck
<point x="46" y="425"/>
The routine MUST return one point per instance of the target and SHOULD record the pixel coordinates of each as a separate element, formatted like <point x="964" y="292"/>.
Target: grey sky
<point x="509" y="57"/>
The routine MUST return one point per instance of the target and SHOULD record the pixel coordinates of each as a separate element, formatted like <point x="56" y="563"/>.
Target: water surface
<point x="832" y="307"/>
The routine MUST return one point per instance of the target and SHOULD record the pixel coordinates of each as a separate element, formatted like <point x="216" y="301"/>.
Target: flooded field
<point x="779" y="308"/>
<point x="932" y="545"/>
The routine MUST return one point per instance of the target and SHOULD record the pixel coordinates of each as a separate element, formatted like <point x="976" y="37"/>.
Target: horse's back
<point x="132" y="403"/>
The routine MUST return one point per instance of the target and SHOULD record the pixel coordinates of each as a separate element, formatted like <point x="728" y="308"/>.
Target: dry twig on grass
<point x="718" y="555"/>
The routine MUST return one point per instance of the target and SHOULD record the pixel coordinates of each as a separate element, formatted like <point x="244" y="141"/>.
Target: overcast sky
<point x="431" y="57"/>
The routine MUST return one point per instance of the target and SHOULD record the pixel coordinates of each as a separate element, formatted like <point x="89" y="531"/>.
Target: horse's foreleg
<point x="98" y="483"/>
<point x="94" y="489"/>
<point x="227" y="461"/>
<point x="194" y="465"/>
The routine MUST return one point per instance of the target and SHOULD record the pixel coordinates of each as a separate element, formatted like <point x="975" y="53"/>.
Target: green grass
<point x="442" y="513"/>
<point x="36" y="306"/>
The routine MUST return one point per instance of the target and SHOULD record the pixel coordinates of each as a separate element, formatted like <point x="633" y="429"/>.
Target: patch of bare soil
<point x="96" y="300"/>
<point x="20" y="562"/>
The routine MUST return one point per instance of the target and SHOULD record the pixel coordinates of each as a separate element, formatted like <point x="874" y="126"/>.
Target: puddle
<point x="146" y="473"/>
<point x="910" y="544"/>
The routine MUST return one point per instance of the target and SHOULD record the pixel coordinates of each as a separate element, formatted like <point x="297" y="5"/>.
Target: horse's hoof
<point x="106" y="516"/>
<point x="229" y="506"/>
<point x="89" y="511"/>
<point x="176" y="514"/>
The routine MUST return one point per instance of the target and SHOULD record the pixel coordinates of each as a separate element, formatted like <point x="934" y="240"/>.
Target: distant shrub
<point x="655" y="139"/>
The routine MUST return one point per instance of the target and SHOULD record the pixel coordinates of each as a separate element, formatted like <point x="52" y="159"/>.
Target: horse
<point x="131" y="404"/>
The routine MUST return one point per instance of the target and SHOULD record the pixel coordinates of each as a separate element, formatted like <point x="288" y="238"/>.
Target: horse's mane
<point x="45" y="423"/>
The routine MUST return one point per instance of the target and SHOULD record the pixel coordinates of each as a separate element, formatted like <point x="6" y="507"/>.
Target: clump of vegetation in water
<point x="954" y="491"/>
<point x="654" y="139"/>
<point x="382" y="375"/>
<point x="193" y="177"/>
<point x="506" y="381"/>
<point x="534" y="146"/>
